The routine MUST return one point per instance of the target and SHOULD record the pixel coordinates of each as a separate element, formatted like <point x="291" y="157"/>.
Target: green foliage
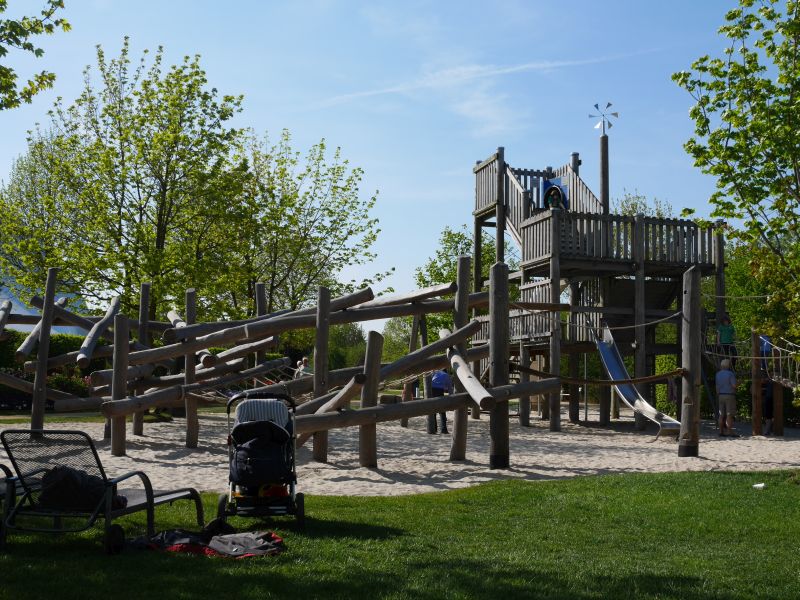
<point x="143" y="179"/>
<point x="299" y="222"/>
<point x="634" y="203"/>
<point x="746" y="121"/>
<point x="396" y="338"/>
<point x="347" y="346"/>
<point x="17" y="34"/>
<point x="442" y="267"/>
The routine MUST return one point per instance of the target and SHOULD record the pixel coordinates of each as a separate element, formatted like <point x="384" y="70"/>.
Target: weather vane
<point x="604" y="117"/>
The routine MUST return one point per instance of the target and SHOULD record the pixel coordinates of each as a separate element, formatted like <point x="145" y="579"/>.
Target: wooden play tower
<point x="624" y="270"/>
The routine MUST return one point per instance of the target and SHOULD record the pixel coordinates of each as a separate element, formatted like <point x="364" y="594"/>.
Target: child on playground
<point x="726" y="393"/>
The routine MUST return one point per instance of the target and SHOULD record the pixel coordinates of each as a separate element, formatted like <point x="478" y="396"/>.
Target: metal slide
<point x="615" y="367"/>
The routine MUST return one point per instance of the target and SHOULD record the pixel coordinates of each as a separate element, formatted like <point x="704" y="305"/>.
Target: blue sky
<point x="415" y="92"/>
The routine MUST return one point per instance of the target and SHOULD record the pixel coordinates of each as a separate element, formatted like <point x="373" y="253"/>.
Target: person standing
<point x="441" y="383"/>
<point x="726" y="392"/>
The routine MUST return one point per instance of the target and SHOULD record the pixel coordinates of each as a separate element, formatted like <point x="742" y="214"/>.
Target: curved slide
<point x="615" y="367"/>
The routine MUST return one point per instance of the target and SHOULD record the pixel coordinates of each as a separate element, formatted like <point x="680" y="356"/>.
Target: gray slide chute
<point x="615" y="367"/>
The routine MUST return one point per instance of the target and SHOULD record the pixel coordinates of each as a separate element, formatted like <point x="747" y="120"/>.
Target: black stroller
<point x="261" y="455"/>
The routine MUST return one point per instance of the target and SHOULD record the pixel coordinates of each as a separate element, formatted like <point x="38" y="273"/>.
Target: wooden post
<point x="119" y="385"/>
<point x="777" y="409"/>
<point x="639" y="307"/>
<point x="555" y="316"/>
<point x="190" y="401"/>
<point x="498" y="364"/>
<point x="574" y="389"/>
<point x="367" y="434"/>
<point x="575" y="162"/>
<point x="543" y="364"/>
<point x="261" y="310"/>
<point x="604" y="185"/>
<point x="408" y="388"/>
<point x="719" y="275"/>
<point x="524" y="401"/>
<point x="142" y="336"/>
<point x="604" y="393"/>
<point x="458" y="447"/>
<point x="755" y="372"/>
<point x="690" y="340"/>
<point x="426" y="382"/>
<point x="477" y="286"/>
<point x="500" y="209"/>
<point x="42" y="354"/>
<point x="321" y="376"/>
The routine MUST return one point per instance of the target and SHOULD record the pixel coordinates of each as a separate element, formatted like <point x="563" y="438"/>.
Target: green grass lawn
<point x="679" y="535"/>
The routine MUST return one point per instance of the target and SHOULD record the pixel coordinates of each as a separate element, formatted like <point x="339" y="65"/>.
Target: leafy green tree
<point x="18" y="34"/>
<point x="145" y="177"/>
<point x="299" y="223"/>
<point x="396" y="338"/>
<point x="634" y="203"/>
<point x="442" y="267"/>
<point x="746" y="122"/>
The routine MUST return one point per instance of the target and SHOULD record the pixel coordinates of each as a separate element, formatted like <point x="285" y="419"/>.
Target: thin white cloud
<point x="454" y="76"/>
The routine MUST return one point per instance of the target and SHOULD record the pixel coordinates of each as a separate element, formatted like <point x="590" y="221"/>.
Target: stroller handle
<point x="256" y="392"/>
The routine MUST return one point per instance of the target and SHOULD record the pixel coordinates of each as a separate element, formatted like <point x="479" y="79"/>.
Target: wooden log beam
<point x="28" y="344"/>
<point x="466" y="377"/>
<point x="5" y="313"/>
<point x="415" y="408"/>
<point x="89" y="343"/>
<point x="219" y="369"/>
<point x="119" y="385"/>
<point x="201" y="356"/>
<point x="458" y="445"/>
<point x="422" y="294"/>
<point x="321" y="376"/>
<point x="335" y="400"/>
<point x="66" y="317"/>
<point x="40" y="379"/>
<point x="367" y="434"/>
<point x="499" y="451"/>
<point x="106" y="376"/>
<point x="174" y="395"/>
<point x="246" y="349"/>
<point x="203" y="329"/>
<point x="189" y="400"/>
<point x="143" y="335"/>
<point x="26" y="386"/>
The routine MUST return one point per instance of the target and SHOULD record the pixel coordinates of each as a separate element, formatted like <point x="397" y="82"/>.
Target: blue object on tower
<point x="555" y="198"/>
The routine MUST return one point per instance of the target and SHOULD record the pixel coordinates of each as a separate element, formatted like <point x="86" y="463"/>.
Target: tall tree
<point x="299" y="223"/>
<point x="18" y="34"/>
<point x="746" y="120"/>
<point x="145" y="173"/>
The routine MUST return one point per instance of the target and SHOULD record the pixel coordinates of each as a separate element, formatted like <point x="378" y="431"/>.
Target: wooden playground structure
<point x="629" y="273"/>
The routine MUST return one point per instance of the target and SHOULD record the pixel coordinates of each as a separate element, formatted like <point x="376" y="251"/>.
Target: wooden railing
<point x="613" y="237"/>
<point x="581" y="198"/>
<point x="677" y="241"/>
<point x="486" y="183"/>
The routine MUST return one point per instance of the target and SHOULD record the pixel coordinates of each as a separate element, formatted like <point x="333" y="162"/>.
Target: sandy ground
<point x="412" y="461"/>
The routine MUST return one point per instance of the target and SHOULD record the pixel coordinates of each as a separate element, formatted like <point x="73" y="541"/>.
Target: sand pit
<point x="412" y="461"/>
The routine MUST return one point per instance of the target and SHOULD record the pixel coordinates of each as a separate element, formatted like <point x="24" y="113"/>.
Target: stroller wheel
<point x="222" y="506"/>
<point x="300" y="510"/>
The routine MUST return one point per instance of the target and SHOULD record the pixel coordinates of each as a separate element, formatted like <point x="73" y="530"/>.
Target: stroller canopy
<point x="262" y="409"/>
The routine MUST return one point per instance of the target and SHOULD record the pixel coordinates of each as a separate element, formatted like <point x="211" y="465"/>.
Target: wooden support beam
<point x="119" y="386"/>
<point x="755" y="379"/>
<point x="5" y="313"/>
<point x="639" y="305"/>
<point x="321" y="375"/>
<point x="89" y="343"/>
<point x="26" y="386"/>
<point x="499" y="453"/>
<point x="524" y="401"/>
<point x="189" y="400"/>
<point x="434" y="291"/>
<point x="458" y="446"/>
<point x="335" y="400"/>
<point x="28" y="344"/>
<point x="173" y="396"/>
<point x="393" y="412"/>
<point x="554" y="399"/>
<point x="143" y="336"/>
<point x="40" y="379"/>
<point x="367" y="434"/>
<point x="689" y="437"/>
